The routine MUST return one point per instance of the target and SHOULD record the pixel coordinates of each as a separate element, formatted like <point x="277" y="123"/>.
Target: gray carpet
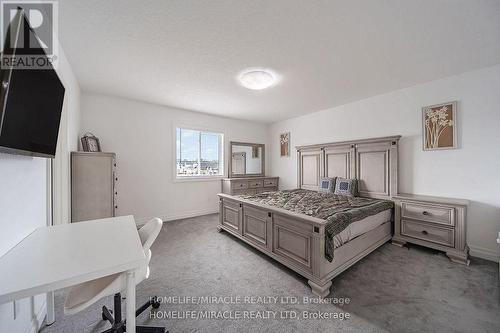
<point x="392" y="290"/>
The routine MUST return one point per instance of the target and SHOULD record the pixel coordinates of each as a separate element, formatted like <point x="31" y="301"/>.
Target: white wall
<point x="23" y="199"/>
<point x="67" y="142"/>
<point x="470" y="172"/>
<point x="142" y="136"/>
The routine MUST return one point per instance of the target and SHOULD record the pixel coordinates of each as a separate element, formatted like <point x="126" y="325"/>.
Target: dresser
<point x="249" y="185"/>
<point x="93" y="186"/>
<point x="434" y="222"/>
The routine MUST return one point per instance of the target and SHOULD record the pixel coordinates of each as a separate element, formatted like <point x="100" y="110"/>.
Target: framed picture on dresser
<point x="90" y="143"/>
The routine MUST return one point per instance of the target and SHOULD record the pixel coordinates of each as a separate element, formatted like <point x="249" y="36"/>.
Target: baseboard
<point x="483" y="253"/>
<point x="180" y="216"/>
<point x="36" y="323"/>
<point x="186" y="215"/>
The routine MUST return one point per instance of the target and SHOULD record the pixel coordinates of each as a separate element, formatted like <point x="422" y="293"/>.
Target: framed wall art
<point x="285" y="144"/>
<point x="439" y="126"/>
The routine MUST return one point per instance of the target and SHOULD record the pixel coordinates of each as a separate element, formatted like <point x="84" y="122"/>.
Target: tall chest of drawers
<point x="93" y="185"/>
<point x="249" y="185"/>
<point x="435" y="222"/>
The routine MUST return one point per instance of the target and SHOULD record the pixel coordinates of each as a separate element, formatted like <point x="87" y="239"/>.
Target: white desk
<point x="56" y="257"/>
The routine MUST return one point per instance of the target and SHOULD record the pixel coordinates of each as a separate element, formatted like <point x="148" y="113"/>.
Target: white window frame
<point x="222" y="152"/>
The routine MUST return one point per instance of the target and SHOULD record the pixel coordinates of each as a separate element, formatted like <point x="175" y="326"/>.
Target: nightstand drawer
<point x="426" y="232"/>
<point x="241" y="185"/>
<point x="427" y="212"/>
<point x="255" y="183"/>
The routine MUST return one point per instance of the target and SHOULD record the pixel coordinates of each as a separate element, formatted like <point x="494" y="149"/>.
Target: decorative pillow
<point x="346" y="187"/>
<point x="326" y="185"/>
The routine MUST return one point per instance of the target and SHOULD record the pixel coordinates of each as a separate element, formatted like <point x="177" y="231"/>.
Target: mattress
<point x="360" y="227"/>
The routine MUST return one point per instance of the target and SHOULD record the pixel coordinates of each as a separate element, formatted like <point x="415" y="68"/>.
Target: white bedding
<point x="362" y="226"/>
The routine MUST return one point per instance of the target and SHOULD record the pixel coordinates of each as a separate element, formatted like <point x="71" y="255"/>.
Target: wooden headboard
<point x="373" y="162"/>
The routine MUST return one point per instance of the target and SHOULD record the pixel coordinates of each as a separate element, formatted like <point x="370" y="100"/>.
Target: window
<point x="199" y="153"/>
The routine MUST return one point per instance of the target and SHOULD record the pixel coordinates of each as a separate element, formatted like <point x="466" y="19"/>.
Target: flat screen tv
<point x="31" y="100"/>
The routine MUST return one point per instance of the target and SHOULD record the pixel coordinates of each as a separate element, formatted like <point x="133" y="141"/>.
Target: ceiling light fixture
<point x="257" y="79"/>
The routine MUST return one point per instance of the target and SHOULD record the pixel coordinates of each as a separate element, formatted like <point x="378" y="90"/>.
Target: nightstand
<point x="435" y="222"/>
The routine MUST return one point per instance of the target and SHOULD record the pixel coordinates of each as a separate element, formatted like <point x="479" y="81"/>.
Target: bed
<point x="319" y="235"/>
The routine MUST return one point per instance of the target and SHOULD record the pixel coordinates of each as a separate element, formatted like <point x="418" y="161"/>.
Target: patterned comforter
<point x="338" y="210"/>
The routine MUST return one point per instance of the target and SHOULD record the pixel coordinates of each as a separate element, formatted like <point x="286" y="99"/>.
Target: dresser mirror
<point x="247" y="159"/>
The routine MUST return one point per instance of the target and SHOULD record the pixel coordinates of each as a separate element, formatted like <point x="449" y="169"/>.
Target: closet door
<point x="310" y="168"/>
<point x="339" y="161"/>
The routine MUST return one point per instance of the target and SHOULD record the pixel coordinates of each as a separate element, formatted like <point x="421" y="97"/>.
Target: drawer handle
<point x="425" y="213"/>
<point x="425" y="232"/>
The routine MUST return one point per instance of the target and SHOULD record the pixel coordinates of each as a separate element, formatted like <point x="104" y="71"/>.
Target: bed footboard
<point x="295" y="240"/>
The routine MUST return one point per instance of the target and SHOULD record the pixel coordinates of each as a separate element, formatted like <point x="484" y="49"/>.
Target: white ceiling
<point x="187" y="53"/>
